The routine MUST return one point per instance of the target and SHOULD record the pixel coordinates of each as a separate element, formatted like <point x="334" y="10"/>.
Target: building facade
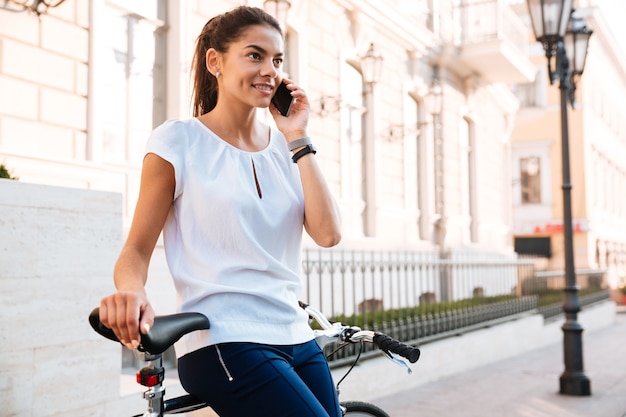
<point x="597" y="141"/>
<point x="82" y="85"/>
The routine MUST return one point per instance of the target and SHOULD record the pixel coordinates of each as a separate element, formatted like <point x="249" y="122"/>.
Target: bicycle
<point x="168" y="329"/>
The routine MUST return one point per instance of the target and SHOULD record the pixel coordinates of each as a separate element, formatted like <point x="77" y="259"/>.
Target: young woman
<point x="232" y="196"/>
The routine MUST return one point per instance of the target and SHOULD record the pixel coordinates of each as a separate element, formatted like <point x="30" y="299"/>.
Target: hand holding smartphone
<point x="282" y="99"/>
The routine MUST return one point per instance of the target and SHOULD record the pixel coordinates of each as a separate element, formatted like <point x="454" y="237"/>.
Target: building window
<point x="131" y="77"/>
<point x="530" y="174"/>
<point x="533" y="94"/>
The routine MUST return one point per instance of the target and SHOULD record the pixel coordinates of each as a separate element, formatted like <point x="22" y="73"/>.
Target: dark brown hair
<point x="218" y="33"/>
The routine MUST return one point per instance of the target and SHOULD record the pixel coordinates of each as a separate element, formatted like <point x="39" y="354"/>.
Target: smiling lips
<point x="264" y="87"/>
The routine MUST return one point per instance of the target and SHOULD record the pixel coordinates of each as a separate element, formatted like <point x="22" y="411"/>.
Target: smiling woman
<point x="250" y="71"/>
<point x="232" y="196"/>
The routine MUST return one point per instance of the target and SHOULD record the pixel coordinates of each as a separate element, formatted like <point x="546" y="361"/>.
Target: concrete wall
<point x="57" y="249"/>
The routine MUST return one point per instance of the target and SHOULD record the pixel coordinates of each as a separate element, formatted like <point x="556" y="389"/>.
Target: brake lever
<point x="395" y="359"/>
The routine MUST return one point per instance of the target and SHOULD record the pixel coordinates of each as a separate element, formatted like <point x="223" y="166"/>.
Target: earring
<point x="217" y="74"/>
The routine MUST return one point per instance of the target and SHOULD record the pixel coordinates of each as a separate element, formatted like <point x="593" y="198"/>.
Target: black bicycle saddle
<point x="165" y="331"/>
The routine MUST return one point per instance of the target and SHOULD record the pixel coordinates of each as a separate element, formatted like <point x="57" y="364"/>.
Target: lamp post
<point x="371" y="68"/>
<point x="434" y="105"/>
<point x="561" y="34"/>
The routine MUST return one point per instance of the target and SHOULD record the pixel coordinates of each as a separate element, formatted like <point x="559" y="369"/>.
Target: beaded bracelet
<point x="298" y="143"/>
<point x="306" y="150"/>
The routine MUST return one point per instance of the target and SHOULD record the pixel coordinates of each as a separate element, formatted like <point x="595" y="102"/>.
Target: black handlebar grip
<point x="387" y="343"/>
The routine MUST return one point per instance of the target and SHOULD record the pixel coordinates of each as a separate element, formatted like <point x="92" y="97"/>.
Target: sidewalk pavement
<point x="527" y="385"/>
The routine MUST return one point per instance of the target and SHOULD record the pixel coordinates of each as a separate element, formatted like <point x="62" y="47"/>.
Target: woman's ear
<point x="212" y="59"/>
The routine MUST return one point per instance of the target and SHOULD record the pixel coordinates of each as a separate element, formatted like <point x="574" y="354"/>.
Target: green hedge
<point x="371" y="318"/>
<point x="374" y="319"/>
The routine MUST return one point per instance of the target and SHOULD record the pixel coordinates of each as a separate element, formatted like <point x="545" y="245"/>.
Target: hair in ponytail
<point x="218" y="33"/>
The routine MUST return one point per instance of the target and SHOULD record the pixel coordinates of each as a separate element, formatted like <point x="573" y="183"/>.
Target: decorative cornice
<point x="412" y="37"/>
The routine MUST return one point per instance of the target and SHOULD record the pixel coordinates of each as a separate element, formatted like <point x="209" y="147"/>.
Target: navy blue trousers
<point x="249" y="379"/>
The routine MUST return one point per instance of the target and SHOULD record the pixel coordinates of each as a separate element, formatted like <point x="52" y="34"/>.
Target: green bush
<point x="545" y="297"/>
<point x="4" y="173"/>
<point x="553" y="296"/>
<point x="371" y="319"/>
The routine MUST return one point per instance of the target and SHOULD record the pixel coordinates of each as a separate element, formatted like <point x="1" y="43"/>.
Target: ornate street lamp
<point x="551" y="19"/>
<point x="434" y="97"/>
<point x="576" y="44"/>
<point x="371" y="66"/>
<point x="279" y="9"/>
<point x="38" y="7"/>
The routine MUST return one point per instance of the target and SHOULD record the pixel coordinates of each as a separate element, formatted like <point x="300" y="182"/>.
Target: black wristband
<point x="305" y="150"/>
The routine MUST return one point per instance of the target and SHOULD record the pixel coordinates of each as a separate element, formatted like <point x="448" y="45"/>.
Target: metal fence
<point x="353" y="282"/>
<point x="420" y="296"/>
<point x="415" y="296"/>
<point x="549" y="285"/>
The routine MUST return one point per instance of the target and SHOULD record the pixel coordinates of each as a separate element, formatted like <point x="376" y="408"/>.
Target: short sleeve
<point x="168" y="142"/>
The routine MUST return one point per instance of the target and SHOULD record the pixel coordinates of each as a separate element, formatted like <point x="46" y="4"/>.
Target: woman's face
<point x="252" y="67"/>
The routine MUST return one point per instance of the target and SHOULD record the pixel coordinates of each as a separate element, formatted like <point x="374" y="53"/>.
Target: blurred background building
<point x="597" y="137"/>
<point x="435" y="121"/>
<point x="436" y="125"/>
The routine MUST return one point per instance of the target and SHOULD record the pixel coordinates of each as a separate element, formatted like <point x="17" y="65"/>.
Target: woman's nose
<point x="269" y="69"/>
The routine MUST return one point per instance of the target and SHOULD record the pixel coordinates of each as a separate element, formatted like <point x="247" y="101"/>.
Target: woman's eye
<point x="255" y="55"/>
<point x="278" y="62"/>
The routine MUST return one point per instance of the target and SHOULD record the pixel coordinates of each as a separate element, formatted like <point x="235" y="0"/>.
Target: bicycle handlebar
<point x="354" y="334"/>
<point x="389" y="344"/>
<point x="168" y="329"/>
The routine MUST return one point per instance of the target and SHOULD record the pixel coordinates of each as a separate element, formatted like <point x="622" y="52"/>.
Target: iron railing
<point x="555" y="309"/>
<point x="350" y="282"/>
<point x="417" y="297"/>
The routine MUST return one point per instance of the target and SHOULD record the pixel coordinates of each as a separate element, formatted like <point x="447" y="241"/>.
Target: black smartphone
<point x="282" y="99"/>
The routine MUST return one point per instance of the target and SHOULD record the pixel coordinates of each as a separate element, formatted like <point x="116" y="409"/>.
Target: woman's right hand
<point x="293" y="126"/>
<point x="127" y="313"/>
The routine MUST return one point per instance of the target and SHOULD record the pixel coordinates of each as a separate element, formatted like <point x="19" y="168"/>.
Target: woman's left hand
<point x="294" y="126"/>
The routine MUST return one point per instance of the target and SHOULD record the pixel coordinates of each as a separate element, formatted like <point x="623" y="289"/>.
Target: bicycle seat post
<point x="152" y="376"/>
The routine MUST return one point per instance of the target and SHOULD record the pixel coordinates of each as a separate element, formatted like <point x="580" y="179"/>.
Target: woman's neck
<point x="242" y="130"/>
